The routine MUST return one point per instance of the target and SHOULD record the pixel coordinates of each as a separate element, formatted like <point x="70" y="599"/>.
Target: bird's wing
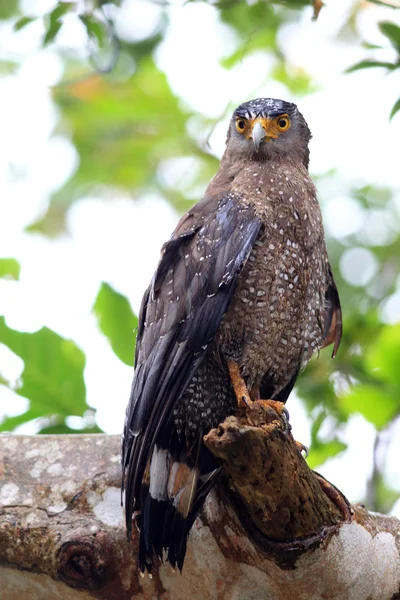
<point x="180" y="314"/>
<point x="333" y="317"/>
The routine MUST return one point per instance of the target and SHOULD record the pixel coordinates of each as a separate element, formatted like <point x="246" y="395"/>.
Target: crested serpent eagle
<point x="242" y="297"/>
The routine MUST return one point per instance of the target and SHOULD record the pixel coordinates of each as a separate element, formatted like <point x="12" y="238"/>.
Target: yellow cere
<point x="272" y="127"/>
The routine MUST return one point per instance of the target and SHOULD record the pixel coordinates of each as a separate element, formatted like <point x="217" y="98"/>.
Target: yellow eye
<point x="240" y="125"/>
<point x="283" y="123"/>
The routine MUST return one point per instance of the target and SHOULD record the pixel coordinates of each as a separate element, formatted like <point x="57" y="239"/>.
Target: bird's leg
<point x="239" y="385"/>
<point x="245" y="399"/>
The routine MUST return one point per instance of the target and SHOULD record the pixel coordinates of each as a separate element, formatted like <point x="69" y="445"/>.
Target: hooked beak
<point x="258" y="134"/>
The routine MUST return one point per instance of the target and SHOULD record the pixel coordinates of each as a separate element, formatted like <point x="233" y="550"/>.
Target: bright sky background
<point x="60" y="279"/>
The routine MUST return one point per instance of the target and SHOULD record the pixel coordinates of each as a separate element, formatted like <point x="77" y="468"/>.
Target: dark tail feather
<point x="177" y="490"/>
<point x="151" y="534"/>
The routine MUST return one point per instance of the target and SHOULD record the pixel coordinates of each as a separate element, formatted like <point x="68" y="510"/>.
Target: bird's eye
<point x="240" y="125"/>
<point x="283" y="123"/>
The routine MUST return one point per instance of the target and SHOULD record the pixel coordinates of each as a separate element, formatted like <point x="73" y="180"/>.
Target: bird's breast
<point x="275" y="320"/>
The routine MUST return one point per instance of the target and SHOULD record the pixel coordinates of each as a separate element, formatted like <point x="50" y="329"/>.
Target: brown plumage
<point x="243" y="285"/>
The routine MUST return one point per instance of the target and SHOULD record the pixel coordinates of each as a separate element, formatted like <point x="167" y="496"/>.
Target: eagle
<point x="242" y="297"/>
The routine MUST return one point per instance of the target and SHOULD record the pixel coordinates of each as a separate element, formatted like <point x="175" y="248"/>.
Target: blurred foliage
<point x="126" y="127"/>
<point x="392" y="32"/>
<point x="260" y="18"/>
<point x="118" y="124"/>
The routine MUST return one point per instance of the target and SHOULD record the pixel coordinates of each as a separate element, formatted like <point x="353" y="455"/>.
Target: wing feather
<point x="333" y="318"/>
<point x="180" y="314"/>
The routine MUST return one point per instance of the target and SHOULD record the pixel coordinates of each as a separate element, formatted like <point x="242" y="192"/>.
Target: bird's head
<point x="267" y="128"/>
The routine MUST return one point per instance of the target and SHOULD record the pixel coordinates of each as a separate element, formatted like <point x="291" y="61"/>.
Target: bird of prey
<point x="242" y="297"/>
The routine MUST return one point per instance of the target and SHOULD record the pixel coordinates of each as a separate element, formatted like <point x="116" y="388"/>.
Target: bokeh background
<point x="113" y="118"/>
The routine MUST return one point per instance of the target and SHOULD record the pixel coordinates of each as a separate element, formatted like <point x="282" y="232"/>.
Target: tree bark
<point x="271" y="529"/>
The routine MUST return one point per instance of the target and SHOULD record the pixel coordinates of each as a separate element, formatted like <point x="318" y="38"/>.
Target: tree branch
<point x="284" y="499"/>
<point x="62" y="534"/>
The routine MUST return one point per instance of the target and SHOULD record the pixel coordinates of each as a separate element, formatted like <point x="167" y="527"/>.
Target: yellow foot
<point x="239" y="385"/>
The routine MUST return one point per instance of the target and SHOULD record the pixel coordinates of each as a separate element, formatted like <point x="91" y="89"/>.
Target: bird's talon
<point x="279" y="408"/>
<point x="246" y="401"/>
<point x="302" y="448"/>
<point x="285" y="419"/>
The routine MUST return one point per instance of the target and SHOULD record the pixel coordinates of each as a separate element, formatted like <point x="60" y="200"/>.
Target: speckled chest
<point x="275" y="320"/>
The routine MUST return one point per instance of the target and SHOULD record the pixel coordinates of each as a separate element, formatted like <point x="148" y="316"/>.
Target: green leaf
<point x="386" y="496"/>
<point x="9" y="268"/>
<point x="52" y="378"/>
<point x="11" y="423"/>
<point x="52" y="32"/>
<point x="93" y="28"/>
<point x="61" y="428"/>
<point x="23" y="22"/>
<point x="116" y="321"/>
<point x="382" y="359"/>
<point x="386" y="3"/>
<point x="392" y="32"/>
<point x="395" y="109"/>
<point x="55" y="21"/>
<point x="8" y="8"/>
<point x="375" y="404"/>
<point x="8" y="67"/>
<point x="296" y="80"/>
<point x="52" y="224"/>
<point x="50" y="424"/>
<point x="322" y="451"/>
<point x="61" y="9"/>
<point x="369" y="46"/>
<point x="256" y="24"/>
<point x="368" y="64"/>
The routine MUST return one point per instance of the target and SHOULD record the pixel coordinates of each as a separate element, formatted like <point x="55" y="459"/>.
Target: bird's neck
<point x="232" y="168"/>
